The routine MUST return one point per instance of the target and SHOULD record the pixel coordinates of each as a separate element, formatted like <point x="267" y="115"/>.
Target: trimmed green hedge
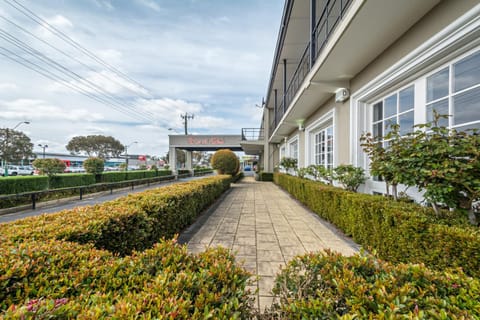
<point x="19" y="184"/>
<point x="397" y="231"/>
<point x="55" y="266"/>
<point x="118" y="176"/>
<point x="71" y="180"/>
<point x="265" y="176"/>
<point x="331" y="286"/>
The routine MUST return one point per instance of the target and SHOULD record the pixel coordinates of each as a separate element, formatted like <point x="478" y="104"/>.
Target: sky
<point x="130" y="68"/>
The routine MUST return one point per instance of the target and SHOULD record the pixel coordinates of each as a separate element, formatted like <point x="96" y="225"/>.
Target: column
<point x="172" y="159"/>
<point x="188" y="160"/>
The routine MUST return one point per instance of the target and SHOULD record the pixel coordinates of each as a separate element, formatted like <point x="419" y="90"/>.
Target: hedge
<point x="265" y="176"/>
<point x="71" y="180"/>
<point x="397" y="231"/>
<point x="118" y="176"/>
<point x="18" y="184"/>
<point x="331" y="286"/>
<point x="75" y="263"/>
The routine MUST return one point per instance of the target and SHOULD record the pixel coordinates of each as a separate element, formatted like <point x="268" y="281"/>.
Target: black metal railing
<point x="252" y="134"/>
<point x="333" y="12"/>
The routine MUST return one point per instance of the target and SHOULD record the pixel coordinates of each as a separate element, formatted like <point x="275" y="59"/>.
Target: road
<point x="87" y="200"/>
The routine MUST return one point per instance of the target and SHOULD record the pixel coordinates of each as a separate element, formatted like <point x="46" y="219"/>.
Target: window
<point x="323" y="147"/>
<point x="294" y="149"/>
<point x="282" y="152"/>
<point x="394" y="109"/>
<point x="455" y="91"/>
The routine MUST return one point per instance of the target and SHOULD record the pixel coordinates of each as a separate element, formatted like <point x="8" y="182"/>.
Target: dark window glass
<point x="466" y="72"/>
<point x="437" y="85"/>
<point x="406" y="123"/>
<point x="390" y="106"/>
<point x="407" y="99"/>
<point x="441" y="107"/>
<point x="466" y="106"/>
<point x="378" y="111"/>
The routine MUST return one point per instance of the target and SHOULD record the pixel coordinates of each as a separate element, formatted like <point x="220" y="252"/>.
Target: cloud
<point x="32" y="109"/>
<point x="99" y="82"/>
<point x="8" y="86"/>
<point x="150" y="4"/>
<point x="58" y="21"/>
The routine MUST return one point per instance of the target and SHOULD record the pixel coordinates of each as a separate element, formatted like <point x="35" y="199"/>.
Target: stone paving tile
<point x="265" y="228"/>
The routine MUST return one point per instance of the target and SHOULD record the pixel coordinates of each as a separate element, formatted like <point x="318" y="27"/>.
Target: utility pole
<point x="185" y="118"/>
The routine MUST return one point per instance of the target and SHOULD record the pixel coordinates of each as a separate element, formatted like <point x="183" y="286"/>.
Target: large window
<point x="323" y="144"/>
<point x="293" y="148"/>
<point x="397" y="108"/>
<point x="455" y="91"/>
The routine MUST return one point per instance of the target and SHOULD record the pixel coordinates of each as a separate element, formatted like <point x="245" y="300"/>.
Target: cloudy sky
<point x="130" y="68"/>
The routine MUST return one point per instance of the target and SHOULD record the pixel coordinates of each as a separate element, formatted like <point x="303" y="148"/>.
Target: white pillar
<point x="172" y="159"/>
<point x="188" y="160"/>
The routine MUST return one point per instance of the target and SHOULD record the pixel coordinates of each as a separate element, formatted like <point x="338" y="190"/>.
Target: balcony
<point x="347" y="36"/>
<point x="329" y="18"/>
<point x="253" y="140"/>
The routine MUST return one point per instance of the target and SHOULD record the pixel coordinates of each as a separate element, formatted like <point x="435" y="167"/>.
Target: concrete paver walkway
<point x="265" y="228"/>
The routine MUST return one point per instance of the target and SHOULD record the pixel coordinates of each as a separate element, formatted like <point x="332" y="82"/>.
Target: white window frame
<point x="294" y="140"/>
<point x="446" y="47"/>
<point x="325" y="121"/>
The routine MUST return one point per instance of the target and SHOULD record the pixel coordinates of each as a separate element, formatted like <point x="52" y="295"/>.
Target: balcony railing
<point x="332" y="13"/>
<point x="252" y="134"/>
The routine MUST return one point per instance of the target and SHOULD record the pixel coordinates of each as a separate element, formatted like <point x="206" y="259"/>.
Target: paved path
<point x="266" y="228"/>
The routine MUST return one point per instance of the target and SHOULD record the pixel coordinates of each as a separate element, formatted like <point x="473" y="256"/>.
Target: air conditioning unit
<point x="341" y="95"/>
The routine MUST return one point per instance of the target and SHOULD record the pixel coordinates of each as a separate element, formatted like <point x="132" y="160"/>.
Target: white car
<point x="17" y="171"/>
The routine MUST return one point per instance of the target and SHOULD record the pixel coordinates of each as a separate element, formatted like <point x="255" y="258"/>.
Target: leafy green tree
<point x="320" y="173"/>
<point x="14" y="145"/>
<point x="445" y="164"/>
<point x="225" y="162"/>
<point x="94" y="165"/>
<point x="96" y="146"/>
<point x="288" y="163"/>
<point x="50" y="167"/>
<point x="349" y="176"/>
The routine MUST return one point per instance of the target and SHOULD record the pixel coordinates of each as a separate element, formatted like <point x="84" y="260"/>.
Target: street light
<point x="5" y="145"/>
<point x="126" y="153"/>
<point x="43" y="146"/>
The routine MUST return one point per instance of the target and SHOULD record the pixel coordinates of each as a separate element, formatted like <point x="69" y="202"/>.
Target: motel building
<point x="344" y="67"/>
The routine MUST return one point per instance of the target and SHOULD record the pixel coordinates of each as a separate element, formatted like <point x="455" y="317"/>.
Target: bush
<point x="239" y="176"/>
<point x="17" y="184"/>
<point x="60" y="280"/>
<point x="71" y="180"/>
<point x="265" y="176"/>
<point x="398" y="232"/>
<point x="54" y="266"/>
<point x="50" y="167"/>
<point x="330" y="286"/>
<point x="94" y="165"/>
<point x="225" y="162"/>
<point x="349" y="176"/>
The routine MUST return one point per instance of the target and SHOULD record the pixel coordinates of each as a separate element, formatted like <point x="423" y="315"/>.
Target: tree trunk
<point x="394" y="191"/>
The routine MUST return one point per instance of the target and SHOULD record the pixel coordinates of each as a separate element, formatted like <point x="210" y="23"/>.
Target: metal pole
<point x="284" y="85"/>
<point x="313" y="22"/>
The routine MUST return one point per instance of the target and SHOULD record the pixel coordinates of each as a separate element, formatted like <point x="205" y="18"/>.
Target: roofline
<point x="287" y="10"/>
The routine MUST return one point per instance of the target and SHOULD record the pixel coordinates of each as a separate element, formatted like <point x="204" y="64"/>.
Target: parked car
<point x="17" y="171"/>
<point x="247" y="168"/>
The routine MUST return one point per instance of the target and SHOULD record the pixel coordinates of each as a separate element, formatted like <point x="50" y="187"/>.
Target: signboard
<point x="205" y="141"/>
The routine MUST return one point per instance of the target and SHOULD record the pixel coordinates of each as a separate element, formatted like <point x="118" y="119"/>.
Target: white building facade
<point x="345" y="67"/>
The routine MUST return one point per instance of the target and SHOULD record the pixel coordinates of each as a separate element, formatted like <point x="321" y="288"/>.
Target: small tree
<point x="320" y="173"/>
<point x="225" y="162"/>
<point x="288" y="163"/>
<point x="50" y="167"/>
<point x="349" y="176"/>
<point x="94" y="165"/>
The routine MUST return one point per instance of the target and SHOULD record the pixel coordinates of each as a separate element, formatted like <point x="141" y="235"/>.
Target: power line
<point x="34" y="17"/>
<point x="70" y="56"/>
<point x="64" y="70"/>
<point x="44" y="72"/>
